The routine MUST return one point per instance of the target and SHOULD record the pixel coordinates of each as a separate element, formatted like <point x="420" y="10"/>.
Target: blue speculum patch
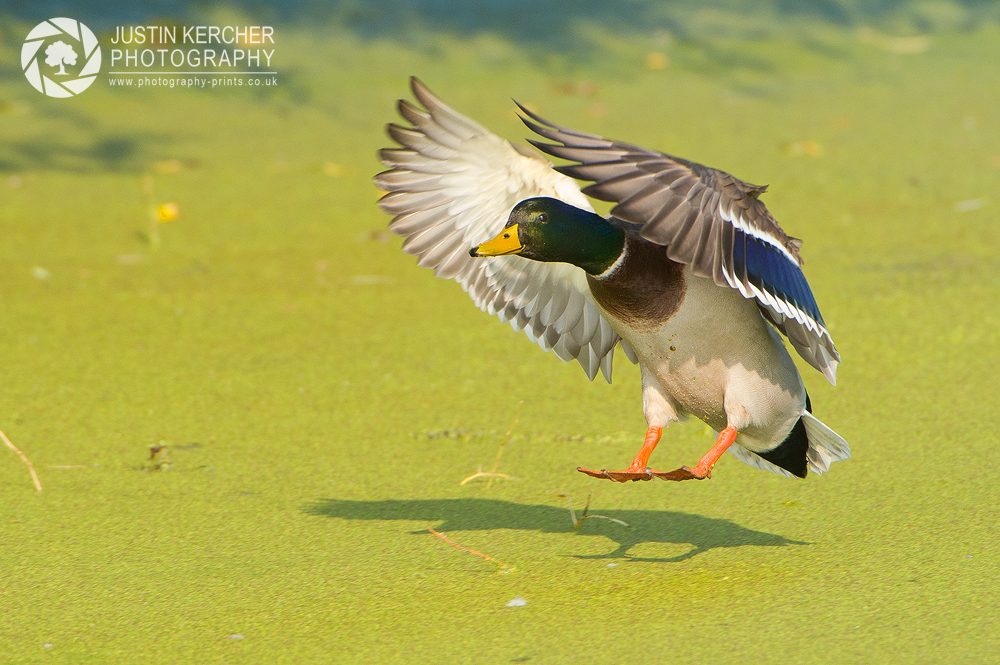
<point x="768" y="270"/>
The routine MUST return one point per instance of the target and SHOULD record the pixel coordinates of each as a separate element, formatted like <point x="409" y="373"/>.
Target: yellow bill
<point x="505" y="243"/>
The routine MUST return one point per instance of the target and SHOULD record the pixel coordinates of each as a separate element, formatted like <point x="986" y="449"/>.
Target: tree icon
<point x="58" y="54"/>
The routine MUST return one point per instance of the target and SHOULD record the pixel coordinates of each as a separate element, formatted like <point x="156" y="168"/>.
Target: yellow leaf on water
<point x="167" y="212"/>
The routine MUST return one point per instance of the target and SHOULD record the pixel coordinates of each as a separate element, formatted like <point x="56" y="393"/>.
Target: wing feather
<point x="705" y="218"/>
<point x="451" y="185"/>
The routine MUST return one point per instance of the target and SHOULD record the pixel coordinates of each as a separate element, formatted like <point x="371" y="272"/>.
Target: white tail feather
<point x="756" y="461"/>
<point x="825" y="447"/>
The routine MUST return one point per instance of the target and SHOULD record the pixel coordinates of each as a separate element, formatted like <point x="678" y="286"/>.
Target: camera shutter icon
<point x="64" y="40"/>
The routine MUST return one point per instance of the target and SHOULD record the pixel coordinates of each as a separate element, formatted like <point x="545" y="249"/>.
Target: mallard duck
<point x="690" y="275"/>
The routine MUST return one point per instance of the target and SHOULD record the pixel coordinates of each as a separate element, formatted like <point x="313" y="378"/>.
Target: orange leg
<point x="704" y="468"/>
<point x="639" y="471"/>
<point x="652" y="438"/>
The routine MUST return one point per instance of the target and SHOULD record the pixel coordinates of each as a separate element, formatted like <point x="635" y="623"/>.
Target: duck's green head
<point x="546" y="229"/>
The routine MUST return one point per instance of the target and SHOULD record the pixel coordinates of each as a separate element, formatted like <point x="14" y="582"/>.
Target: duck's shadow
<point x="645" y="526"/>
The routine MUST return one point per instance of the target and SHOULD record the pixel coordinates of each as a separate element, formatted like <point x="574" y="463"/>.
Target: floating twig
<point x="492" y="473"/>
<point x="501" y="566"/>
<point x="586" y="510"/>
<point x="24" y="458"/>
<point x="487" y="474"/>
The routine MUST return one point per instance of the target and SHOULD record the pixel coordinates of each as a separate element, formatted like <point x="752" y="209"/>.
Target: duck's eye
<point x="543" y="217"/>
<point x="506" y="235"/>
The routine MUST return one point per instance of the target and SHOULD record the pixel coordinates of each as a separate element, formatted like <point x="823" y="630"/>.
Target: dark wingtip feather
<point x="547" y="148"/>
<point x="533" y="116"/>
<point x="552" y="127"/>
<point x="545" y="131"/>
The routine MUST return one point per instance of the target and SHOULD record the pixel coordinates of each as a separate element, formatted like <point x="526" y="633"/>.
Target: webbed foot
<point x="633" y="475"/>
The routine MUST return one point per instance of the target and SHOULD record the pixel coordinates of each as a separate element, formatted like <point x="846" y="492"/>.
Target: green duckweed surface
<point x="321" y="397"/>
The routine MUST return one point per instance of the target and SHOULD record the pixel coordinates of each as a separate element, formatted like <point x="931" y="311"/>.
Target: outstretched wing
<point x="451" y="186"/>
<point x="704" y="218"/>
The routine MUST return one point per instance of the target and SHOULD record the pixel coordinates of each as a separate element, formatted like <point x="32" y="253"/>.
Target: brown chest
<point x="645" y="290"/>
